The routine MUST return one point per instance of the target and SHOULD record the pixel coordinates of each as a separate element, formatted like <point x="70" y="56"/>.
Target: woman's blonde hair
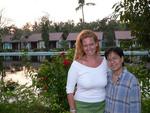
<point x="79" y="52"/>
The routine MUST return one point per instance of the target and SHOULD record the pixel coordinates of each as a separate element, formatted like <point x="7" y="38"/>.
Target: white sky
<point x="22" y="11"/>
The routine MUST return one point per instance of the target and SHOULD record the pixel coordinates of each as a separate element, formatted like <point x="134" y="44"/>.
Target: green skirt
<point x="84" y="107"/>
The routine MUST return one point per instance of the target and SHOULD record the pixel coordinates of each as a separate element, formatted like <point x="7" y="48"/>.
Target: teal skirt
<point x="84" y="107"/>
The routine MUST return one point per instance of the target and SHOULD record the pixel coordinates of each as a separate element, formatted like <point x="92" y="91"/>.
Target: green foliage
<point x="145" y="105"/>
<point x="136" y="14"/>
<point x="21" y="99"/>
<point x="52" y="81"/>
<point x="17" y="33"/>
<point x="64" y="44"/>
<point x="143" y="75"/>
<point x="126" y="45"/>
<point x="45" y="31"/>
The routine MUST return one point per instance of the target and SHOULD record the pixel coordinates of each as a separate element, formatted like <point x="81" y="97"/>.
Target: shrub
<point x="143" y="75"/>
<point x="52" y="78"/>
<point x="22" y="99"/>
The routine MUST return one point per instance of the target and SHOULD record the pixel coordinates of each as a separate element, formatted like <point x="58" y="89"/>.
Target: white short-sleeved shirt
<point x="90" y="82"/>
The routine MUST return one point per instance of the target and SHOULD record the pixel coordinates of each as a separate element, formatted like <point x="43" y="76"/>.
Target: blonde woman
<point x="87" y="76"/>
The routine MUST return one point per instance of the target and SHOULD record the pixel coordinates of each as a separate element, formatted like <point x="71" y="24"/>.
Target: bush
<point x="22" y="100"/>
<point x="52" y="78"/>
<point x="50" y="82"/>
<point x="145" y="105"/>
<point x="143" y="75"/>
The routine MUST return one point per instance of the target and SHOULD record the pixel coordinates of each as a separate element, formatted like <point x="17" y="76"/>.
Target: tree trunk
<point x="82" y="15"/>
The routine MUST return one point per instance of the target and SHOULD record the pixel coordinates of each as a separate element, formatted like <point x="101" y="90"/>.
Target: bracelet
<point x="72" y="110"/>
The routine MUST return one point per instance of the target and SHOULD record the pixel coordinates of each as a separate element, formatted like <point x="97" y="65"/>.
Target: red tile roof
<point x="123" y="35"/>
<point x="73" y="36"/>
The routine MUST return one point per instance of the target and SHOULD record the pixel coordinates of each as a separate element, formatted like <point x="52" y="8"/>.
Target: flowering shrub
<point x="66" y="62"/>
<point x="52" y="78"/>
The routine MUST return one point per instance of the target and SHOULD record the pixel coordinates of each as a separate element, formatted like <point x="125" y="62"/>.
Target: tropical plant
<point x="81" y="6"/>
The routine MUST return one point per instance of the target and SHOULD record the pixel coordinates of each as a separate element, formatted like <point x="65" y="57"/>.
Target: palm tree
<point x="81" y="6"/>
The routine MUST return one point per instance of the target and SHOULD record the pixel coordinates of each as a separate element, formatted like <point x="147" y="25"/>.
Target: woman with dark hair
<point x="122" y="90"/>
<point x="87" y="76"/>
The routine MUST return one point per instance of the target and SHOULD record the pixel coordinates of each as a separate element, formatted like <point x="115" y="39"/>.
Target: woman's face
<point x="89" y="46"/>
<point x="115" y="61"/>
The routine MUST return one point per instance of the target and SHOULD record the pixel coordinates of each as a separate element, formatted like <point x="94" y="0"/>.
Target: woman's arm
<point x="70" y="87"/>
<point x="71" y="102"/>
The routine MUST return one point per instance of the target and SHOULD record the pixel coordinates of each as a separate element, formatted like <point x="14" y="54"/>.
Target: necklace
<point x="115" y="77"/>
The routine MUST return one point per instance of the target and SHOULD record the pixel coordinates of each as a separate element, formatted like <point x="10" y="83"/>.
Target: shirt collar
<point x="119" y="78"/>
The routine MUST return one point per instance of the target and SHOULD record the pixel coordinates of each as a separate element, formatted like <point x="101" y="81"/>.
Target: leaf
<point x="90" y="4"/>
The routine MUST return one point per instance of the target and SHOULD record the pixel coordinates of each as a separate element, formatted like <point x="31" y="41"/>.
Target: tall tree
<point x="136" y="13"/>
<point x="36" y="27"/>
<point x="81" y="6"/>
<point x="45" y="31"/>
<point x="27" y="29"/>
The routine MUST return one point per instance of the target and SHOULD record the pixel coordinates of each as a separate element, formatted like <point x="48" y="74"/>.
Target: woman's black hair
<point x="116" y="50"/>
